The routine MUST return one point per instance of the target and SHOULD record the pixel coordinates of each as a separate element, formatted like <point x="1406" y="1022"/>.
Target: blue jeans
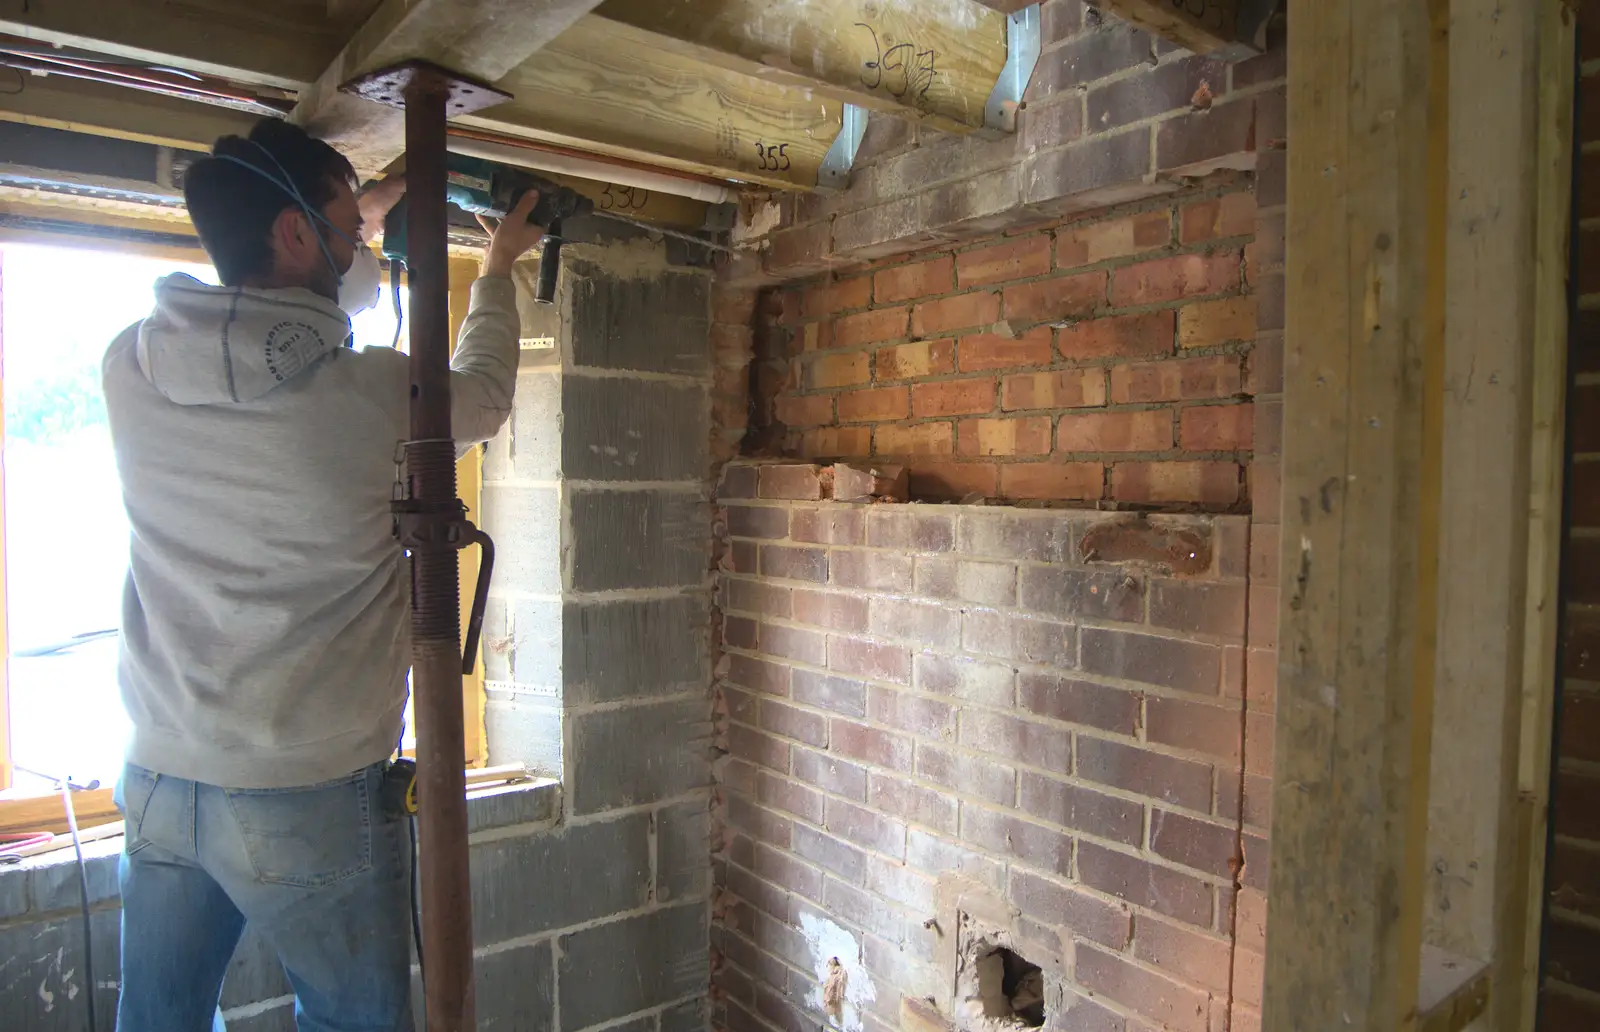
<point x="322" y="872"/>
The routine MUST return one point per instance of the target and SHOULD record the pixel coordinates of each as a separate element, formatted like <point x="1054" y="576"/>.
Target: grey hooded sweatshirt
<point x="265" y="621"/>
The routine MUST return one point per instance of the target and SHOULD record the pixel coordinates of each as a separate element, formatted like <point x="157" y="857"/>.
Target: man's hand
<point x="375" y="202"/>
<point x="512" y="238"/>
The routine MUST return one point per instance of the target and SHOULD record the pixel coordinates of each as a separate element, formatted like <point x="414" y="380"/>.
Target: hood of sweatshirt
<point x="206" y="345"/>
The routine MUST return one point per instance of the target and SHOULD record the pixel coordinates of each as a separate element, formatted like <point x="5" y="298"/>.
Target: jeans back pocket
<point x="132" y="795"/>
<point x="307" y="837"/>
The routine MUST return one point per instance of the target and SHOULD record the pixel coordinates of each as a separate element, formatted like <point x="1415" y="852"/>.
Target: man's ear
<point x="291" y="237"/>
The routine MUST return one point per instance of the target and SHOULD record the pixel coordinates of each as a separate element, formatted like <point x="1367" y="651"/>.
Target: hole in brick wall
<point x="1006" y="988"/>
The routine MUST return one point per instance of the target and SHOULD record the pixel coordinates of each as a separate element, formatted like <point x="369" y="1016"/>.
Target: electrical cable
<point x="83" y="886"/>
<point x="416" y="906"/>
<point x="22" y="84"/>
<point x="653" y="228"/>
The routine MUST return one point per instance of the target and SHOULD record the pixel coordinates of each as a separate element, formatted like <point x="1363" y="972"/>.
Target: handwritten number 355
<point x="774" y="158"/>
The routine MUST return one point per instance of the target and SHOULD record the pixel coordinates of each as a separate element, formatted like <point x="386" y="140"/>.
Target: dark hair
<point x="233" y="208"/>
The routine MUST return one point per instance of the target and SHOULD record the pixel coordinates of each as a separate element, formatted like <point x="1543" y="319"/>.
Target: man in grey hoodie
<point x="265" y="634"/>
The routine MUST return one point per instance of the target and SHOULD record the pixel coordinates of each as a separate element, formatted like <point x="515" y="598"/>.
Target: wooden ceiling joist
<point x="91" y="107"/>
<point x="1230" y="29"/>
<point x="936" y="62"/>
<point x="610" y="89"/>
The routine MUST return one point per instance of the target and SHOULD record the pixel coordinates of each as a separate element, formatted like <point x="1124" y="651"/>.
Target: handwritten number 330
<point x="774" y="158"/>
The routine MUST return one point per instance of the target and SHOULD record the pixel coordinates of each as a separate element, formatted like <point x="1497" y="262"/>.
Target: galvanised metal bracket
<point x="1022" y="55"/>
<point x="834" y="172"/>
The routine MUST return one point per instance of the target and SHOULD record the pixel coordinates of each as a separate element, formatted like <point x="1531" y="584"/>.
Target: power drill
<point x="486" y="188"/>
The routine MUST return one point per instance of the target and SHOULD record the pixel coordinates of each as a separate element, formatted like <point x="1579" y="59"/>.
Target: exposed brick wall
<point x="1108" y="357"/>
<point x="1572" y="931"/>
<point x="1032" y="704"/>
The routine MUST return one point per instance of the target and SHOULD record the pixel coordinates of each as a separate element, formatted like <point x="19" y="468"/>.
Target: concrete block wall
<point x="1571" y="989"/>
<point x="928" y="707"/>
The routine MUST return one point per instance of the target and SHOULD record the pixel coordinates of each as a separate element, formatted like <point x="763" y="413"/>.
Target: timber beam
<point x="481" y="39"/>
<point x="611" y="89"/>
<point x="1228" y="29"/>
<point x="937" y="63"/>
<point x="58" y="102"/>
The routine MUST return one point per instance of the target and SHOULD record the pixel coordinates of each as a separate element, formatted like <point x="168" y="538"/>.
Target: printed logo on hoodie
<point x="290" y="347"/>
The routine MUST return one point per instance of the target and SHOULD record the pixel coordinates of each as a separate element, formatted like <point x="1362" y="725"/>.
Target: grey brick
<point x="515" y="989"/>
<point x="529" y="447"/>
<point x="511" y="805"/>
<point x="522" y="642"/>
<point x="278" y="1019"/>
<point x="525" y="729"/>
<point x="14" y="895"/>
<point x="625" y="966"/>
<point x="683" y="850"/>
<point x="638" y="539"/>
<point x="652" y="321"/>
<point x="626" y="757"/>
<point x="44" y="961"/>
<point x="613" y="428"/>
<point x="685" y="1017"/>
<point x="621" y="650"/>
<point x="1091" y="173"/>
<point x="525" y="523"/>
<point x="644" y="1023"/>
<point x="523" y="886"/>
<point x="55" y="880"/>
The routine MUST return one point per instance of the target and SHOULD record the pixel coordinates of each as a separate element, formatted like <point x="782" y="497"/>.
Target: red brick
<point x="1230" y="215"/>
<point x="1082" y="809"/>
<point x="758" y="521"/>
<point x="1176" y="663"/>
<point x="953" y="480"/>
<point x="1216" y="427"/>
<point x="1118" y="336"/>
<point x="758" y="674"/>
<point x="841" y="695"/>
<point x="808" y="564"/>
<point x="1567" y="1012"/>
<point x="1056" y="298"/>
<point x="1085" y="915"/>
<point x="981" y="351"/>
<point x="1198" y="607"/>
<point x="1139" y="431"/>
<point x="1033" y="742"/>
<point x="1034" y="844"/>
<point x="833" y="611"/>
<point x="795" y="481"/>
<point x="739" y="632"/>
<point x="920" y="358"/>
<point x="834" y="442"/>
<point x="1014" y="259"/>
<point x="794" y="643"/>
<point x="1079" y="702"/>
<point x="817" y="336"/>
<point x="749" y="744"/>
<point x="913" y="802"/>
<point x="935" y="276"/>
<point x="876" y="571"/>
<point x="1069" y="388"/>
<point x="758" y="598"/>
<point x="1168" y="779"/>
<point x="804" y="409"/>
<point x="1213" y="730"/>
<point x="1207" y="483"/>
<point x="870" y="745"/>
<point x="952" y="397"/>
<point x="1086" y="244"/>
<point x="1069" y="594"/>
<point x="1144" y="884"/>
<point x="839" y="370"/>
<point x="874" y="327"/>
<point x="985" y="778"/>
<point x="913" y="439"/>
<point x="933" y="318"/>
<point x="1055" y="481"/>
<point x="742" y="558"/>
<point x="1028" y="436"/>
<point x="1580" y="727"/>
<point x="1574" y="882"/>
<point x="792" y="797"/>
<point x="877" y="403"/>
<point x="820" y="299"/>
<point x="1198" y="959"/>
<point x="1214" y="376"/>
<point x="1194" y="843"/>
<point x="828" y="525"/>
<point x="927" y="718"/>
<point x="865" y="828"/>
<point x="869" y="659"/>
<point x="869" y="483"/>
<point x="1171" y="279"/>
<point x="828" y="771"/>
<point x="1210" y="323"/>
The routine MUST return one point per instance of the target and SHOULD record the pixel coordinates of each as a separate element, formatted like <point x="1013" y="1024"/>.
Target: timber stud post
<point x="431" y="525"/>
